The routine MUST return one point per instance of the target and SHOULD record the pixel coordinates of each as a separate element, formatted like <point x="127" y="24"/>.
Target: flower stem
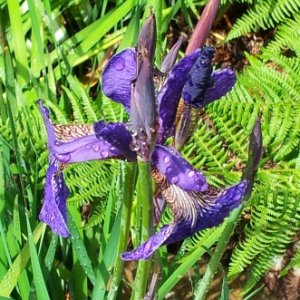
<point x="129" y="184"/>
<point x="214" y="262"/>
<point x="145" y="198"/>
<point x="255" y="152"/>
<point x="203" y="26"/>
<point x="159" y="47"/>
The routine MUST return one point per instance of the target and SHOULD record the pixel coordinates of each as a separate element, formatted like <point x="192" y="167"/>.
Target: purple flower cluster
<point x="127" y="79"/>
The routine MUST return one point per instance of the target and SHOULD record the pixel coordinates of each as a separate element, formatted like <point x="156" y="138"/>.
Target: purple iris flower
<point x="194" y="204"/>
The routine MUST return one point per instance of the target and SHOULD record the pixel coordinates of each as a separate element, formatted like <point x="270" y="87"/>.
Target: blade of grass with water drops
<point x="38" y="277"/>
<point x="80" y="250"/>
<point x="11" y="277"/>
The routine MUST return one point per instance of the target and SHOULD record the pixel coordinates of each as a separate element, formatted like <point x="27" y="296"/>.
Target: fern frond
<point x="275" y="219"/>
<point x="264" y="15"/>
<point x="89" y="181"/>
<point x="86" y="103"/>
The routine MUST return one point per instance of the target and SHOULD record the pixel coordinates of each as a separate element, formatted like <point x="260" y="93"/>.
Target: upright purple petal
<point x="199" y="78"/>
<point x="177" y="170"/>
<point x="117" y="76"/>
<point x="224" y="81"/>
<point x="170" y="93"/>
<point x="147" y="37"/>
<point x="203" y="26"/>
<point x="51" y="138"/>
<point x="117" y="135"/>
<point x="54" y="211"/>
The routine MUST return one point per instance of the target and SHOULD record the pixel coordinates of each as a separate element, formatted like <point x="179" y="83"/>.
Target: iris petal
<point x="177" y="170"/>
<point x="145" y="250"/>
<point x="199" y="78"/>
<point x="170" y="93"/>
<point x="117" y="135"/>
<point x="211" y="208"/>
<point x="71" y="150"/>
<point x="224" y="81"/>
<point x="54" y="210"/>
<point x="118" y="75"/>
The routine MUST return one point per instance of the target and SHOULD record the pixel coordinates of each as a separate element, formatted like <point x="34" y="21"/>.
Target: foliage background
<point x="56" y="50"/>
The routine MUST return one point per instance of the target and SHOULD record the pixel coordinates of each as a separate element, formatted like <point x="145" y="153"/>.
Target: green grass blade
<point x="187" y="262"/>
<point x="10" y="279"/>
<point x="50" y="255"/>
<point x="4" y="252"/>
<point x="18" y="38"/>
<point x="37" y="55"/>
<point x="104" y="25"/>
<point x="132" y="31"/>
<point x="39" y="282"/>
<point x="80" y="250"/>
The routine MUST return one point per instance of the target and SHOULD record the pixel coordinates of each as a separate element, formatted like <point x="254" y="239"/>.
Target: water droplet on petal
<point x="167" y="159"/>
<point x="191" y="173"/>
<point x="96" y="148"/>
<point x="104" y="154"/>
<point x="174" y="179"/>
<point x="169" y="170"/>
<point x="88" y="147"/>
<point x="119" y="64"/>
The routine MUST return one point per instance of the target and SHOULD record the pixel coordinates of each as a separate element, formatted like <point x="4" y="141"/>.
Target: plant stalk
<point x="145" y="199"/>
<point x="129" y="185"/>
<point x="214" y="262"/>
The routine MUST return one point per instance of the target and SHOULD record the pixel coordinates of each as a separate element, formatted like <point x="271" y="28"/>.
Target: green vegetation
<point x="56" y="50"/>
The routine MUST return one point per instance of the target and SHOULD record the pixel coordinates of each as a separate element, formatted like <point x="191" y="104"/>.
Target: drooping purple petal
<point x="177" y="170"/>
<point x="80" y="149"/>
<point x="199" y="78"/>
<point x="145" y="250"/>
<point x="89" y="148"/>
<point x="117" y="135"/>
<point x="224" y="81"/>
<point x="118" y="75"/>
<point x="169" y="95"/>
<point x="54" y="211"/>
<point x="211" y="210"/>
<point x="210" y="207"/>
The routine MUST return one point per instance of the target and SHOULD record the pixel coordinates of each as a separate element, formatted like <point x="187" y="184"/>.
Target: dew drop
<point x="167" y="159"/>
<point x="96" y="148"/>
<point x="104" y="153"/>
<point x="169" y="170"/>
<point x="174" y="179"/>
<point x="197" y="187"/>
<point x="88" y="147"/>
<point x="191" y="173"/>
